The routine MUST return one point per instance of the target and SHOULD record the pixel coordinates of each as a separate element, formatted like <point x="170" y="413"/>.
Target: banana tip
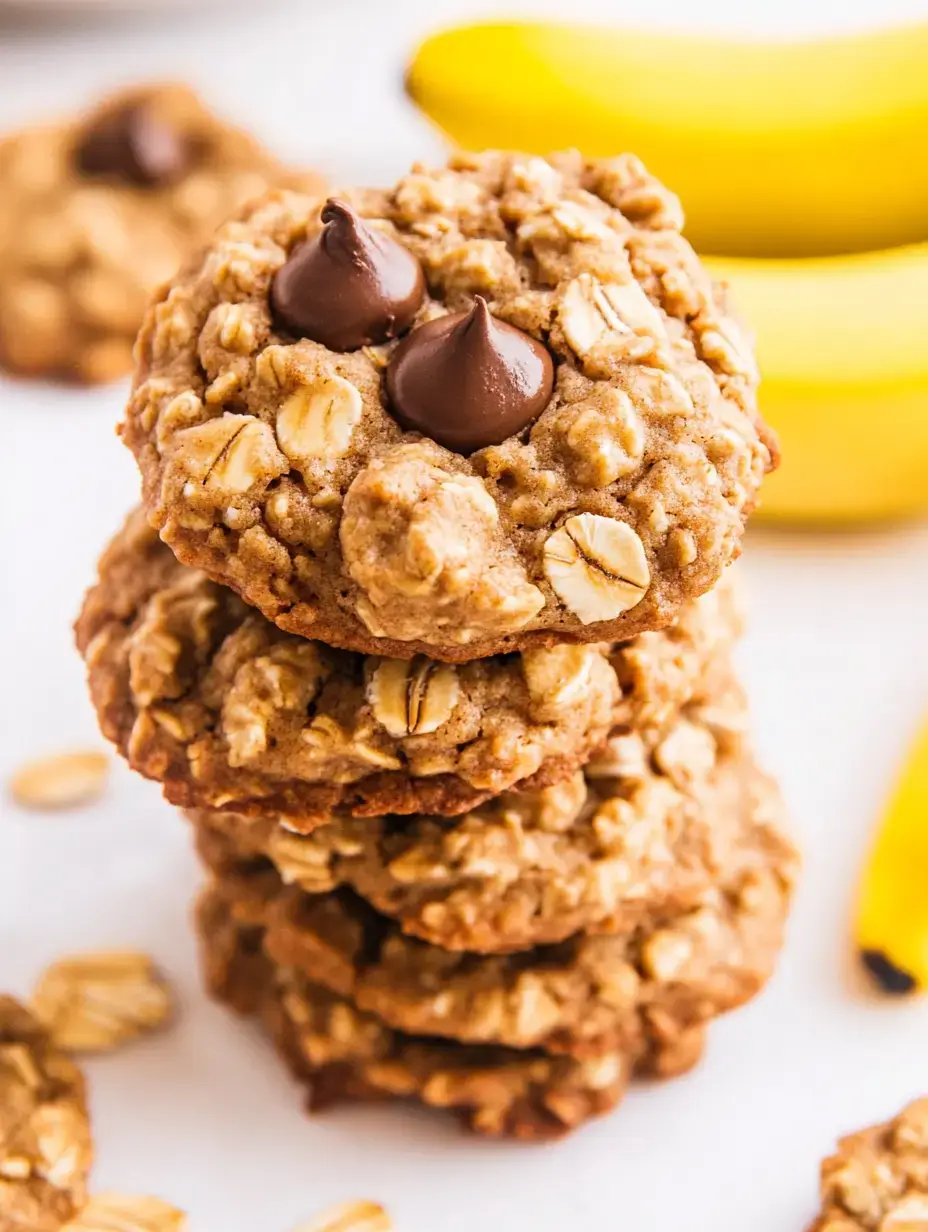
<point x="891" y="979"/>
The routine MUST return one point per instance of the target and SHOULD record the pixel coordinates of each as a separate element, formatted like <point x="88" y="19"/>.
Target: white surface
<point x="836" y="662"/>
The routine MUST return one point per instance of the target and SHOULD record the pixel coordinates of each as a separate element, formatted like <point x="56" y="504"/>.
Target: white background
<point x="835" y="659"/>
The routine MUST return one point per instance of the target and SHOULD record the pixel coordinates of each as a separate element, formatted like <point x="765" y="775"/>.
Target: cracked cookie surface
<point x="96" y="212"/>
<point x="205" y="695"/>
<point x="279" y="466"/>
<point x="648" y="827"/>
<point x="587" y="997"/>
<point x="877" y="1181"/>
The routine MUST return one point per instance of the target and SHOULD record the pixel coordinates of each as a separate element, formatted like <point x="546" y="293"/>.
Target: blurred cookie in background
<point x="878" y="1177"/>
<point x="97" y="211"/>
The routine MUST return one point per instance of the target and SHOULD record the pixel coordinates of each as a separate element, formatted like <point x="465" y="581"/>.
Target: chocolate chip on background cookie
<point x="133" y="144"/>
<point x="99" y="209"/>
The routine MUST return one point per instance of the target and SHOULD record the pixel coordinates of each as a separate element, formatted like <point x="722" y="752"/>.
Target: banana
<point x="892" y="911"/>
<point x="843" y="354"/>
<point x="776" y="149"/>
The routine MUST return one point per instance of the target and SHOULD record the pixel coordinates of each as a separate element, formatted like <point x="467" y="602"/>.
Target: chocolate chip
<point x="348" y="285"/>
<point x="469" y="380"/>
<point x="134" y="145"/>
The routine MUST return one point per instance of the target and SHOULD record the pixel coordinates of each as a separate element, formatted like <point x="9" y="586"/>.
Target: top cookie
<point x="97" y="211"/>
<point x="499" y="405"/>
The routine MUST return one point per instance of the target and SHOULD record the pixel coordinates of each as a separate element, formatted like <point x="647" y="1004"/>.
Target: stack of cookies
<point x="426" y="625"/>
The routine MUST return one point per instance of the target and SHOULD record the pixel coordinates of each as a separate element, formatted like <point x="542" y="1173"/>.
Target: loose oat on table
<point x="651" y="822"/>
<point x="877" y="1181"/>
<point x="588" y="997"/>
<point x="61" y="781"/>
<point x="403" y="495"/>
<point x="45" y="1144"/>
<point x="98" y="210"/>
<point x="115" y="1212"/>
<point x="208" y="697"/>
<point x="97" y="1001"/>
<point x="358" y="1216"/>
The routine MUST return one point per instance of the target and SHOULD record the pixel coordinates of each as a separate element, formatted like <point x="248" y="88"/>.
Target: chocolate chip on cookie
<point x="467" y="380"/>
<point x="348" y="286"/>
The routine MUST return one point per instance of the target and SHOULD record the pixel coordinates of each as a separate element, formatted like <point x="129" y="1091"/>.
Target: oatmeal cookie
<point x="589" y="996"/>
<point x="878" y="1179"/>
<point x="45" y="1143"/>
<point x="649" y="826"/>
<point x="97" y="211"/>
<point x="223" y="708"/>
<point x="342" y="1053"/>
<point x="500" y="405"/>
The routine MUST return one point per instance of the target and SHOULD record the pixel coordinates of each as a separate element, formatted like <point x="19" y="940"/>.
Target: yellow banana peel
<point x="779" y="148"/>
<point x="775" y="148"/>
<point x="843" y="353"/>
<point x="891" y="930"/>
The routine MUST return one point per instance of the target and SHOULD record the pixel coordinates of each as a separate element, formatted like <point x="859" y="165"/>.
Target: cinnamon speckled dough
<point x="877" y="1181"/>
<point x="589" y="996"/>
<point x="342" y="1053"/>
<point x="274" y="464"/>
<point x="80" y="254"/>
<point x="207" y="696"/>
<point x="647" y="828"/>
